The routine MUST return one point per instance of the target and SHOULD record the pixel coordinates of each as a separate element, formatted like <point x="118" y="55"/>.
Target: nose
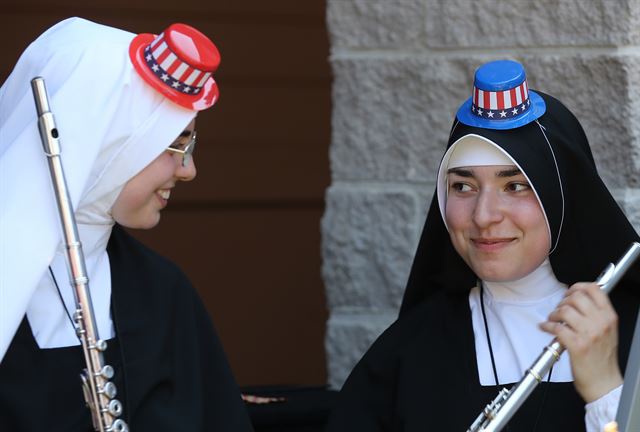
<point x="487" y="210"/>
<point x="188" y="172"/>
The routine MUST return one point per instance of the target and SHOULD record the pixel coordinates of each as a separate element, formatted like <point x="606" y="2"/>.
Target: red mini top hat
<point x="179" y="63"/>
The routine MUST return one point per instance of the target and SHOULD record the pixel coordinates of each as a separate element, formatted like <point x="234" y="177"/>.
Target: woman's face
<point x="495" y="221"/>
<point x="145" y="195"/>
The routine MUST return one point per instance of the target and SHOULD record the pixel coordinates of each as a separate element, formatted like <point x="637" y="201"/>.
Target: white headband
<point x="474" y="150"/>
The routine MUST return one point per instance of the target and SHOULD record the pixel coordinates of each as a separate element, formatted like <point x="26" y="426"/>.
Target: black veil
<point x="588" y="228"/>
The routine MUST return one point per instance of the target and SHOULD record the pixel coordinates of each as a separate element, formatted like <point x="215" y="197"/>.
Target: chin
<point x="493" y="275"/>
<point x="150" y="224"/>
<point x="142" y="223"/>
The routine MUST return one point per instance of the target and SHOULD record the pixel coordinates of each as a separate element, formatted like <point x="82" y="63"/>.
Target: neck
<point x="537" y="285"/>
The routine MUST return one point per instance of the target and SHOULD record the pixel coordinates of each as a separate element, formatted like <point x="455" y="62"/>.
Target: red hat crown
<point x="179" y="62"/>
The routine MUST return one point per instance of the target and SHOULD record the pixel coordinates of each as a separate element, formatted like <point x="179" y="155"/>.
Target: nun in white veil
<point x="112" y="124"/>
<point x="115" y="117"/>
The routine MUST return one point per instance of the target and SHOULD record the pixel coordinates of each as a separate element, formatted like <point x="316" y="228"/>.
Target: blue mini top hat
<point x="501" y="98"/>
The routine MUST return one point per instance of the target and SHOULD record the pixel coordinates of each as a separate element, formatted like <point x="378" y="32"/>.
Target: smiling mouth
<point x="491" y="243"/>
<point x="164" y="193"/>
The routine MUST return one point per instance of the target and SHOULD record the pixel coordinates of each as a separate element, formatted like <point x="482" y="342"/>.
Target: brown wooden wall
<point x="247" y="230"/>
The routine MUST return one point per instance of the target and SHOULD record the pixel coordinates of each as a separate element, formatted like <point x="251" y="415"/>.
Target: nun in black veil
<point x="520" y="226"/>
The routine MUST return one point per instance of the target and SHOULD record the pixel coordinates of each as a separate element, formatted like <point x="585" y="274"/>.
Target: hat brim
<point x="207" y="97"/>
<point x="538" y="107"/>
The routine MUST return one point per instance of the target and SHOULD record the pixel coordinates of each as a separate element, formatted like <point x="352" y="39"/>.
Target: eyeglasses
<point x="185" y="149"/>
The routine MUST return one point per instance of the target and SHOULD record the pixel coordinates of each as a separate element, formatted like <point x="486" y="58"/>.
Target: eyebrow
<point x="509" y="172"/>
<point x="460" y="172"/>
<point x="464" y="172"/>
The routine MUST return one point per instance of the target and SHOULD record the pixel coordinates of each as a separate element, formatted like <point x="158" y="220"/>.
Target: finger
<point x="584" y="331"/>
<point x="565" y="335"/>
<point x="600" y="298"/>
<point x="593" y="290"/>
<point x="549" y="326"/>
<point x="569" y="316"/>
<point x="568" y="338"/>
<point x="582" y="287"/>
<point x="580" y="300"/>
<point x="579" y="286"/>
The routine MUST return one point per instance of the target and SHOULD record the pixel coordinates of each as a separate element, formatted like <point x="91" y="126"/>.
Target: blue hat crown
<point x="501" y="98"/>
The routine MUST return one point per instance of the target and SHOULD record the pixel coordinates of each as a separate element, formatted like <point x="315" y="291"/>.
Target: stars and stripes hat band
<point x="502" y="104"/>
<point x="501" y="98"/>
<point x="180" y="63"/>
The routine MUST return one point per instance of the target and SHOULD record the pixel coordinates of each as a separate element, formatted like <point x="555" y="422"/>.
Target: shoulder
<point x="132" y="257"/>
<point x="427" y="321"/>
<point x="121" y="242"/>
<point x="149" y="286"/>
<point x="370" y="394"/>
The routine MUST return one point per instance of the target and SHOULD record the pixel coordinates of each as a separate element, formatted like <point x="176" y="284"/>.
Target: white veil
<point x="112" y="124"/>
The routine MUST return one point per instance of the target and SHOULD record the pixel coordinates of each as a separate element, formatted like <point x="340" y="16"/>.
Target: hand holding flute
<point x="582" y="303"/>
<point x="586" y="324"/>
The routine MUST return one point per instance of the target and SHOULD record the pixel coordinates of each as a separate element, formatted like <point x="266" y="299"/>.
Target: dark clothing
<point x="421" y="375"/>
<point x="171" y="371"/>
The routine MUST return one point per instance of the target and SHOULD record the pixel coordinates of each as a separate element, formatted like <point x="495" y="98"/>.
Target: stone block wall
<point x="401" y="68"/>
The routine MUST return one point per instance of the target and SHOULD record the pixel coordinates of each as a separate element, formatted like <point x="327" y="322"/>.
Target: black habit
<point x="421" y="374"/>
<point x="171" y="370"/>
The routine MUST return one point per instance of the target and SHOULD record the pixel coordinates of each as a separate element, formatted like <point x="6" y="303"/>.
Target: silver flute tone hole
<point x="488" y="412"/>
<point x="118" y="426"/>
<point x="110" y="390"/>
<point x="115" y="408"/>
<point x="101" y="345"/>
<point x="107" y="372"/>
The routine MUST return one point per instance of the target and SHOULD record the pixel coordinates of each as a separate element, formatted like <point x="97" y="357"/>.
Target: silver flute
<point x="99" y="392"/>
<point x="497" y="414"/>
